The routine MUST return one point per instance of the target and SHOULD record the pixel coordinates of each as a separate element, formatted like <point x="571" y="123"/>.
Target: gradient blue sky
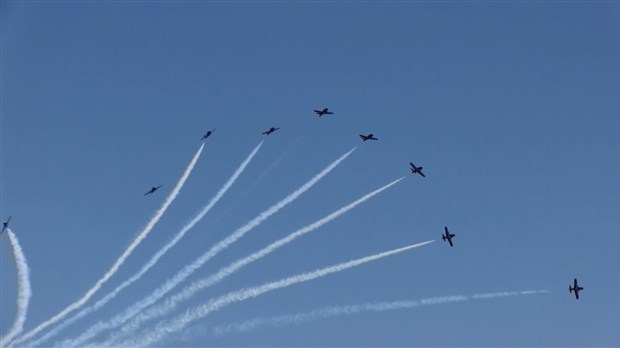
<point x="511" y="107"/>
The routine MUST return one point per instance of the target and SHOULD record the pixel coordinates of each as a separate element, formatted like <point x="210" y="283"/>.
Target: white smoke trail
<point x="172" y="302"/>
<point x="326" y="312"/>
<point x="164" y="328"/>
<point x="252" y="185"/>
<point x="24" y="292"/>
<point x="155" y="257"/>
<point x="134" y="309"/>
<point x="117" y="264"/>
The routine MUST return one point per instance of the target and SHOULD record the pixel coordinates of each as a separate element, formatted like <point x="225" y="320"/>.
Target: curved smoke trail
<point x="157" y="255"/>
<point x="23" y="286"/>
<point x="172" y="302"/>
<point x="332" y="311"/>
<point x="171" y="283"/>
<point x="165" y="328"/>
<point x="117" y="264"/>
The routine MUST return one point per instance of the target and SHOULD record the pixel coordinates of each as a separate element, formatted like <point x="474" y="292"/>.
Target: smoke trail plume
<point x="172" y="302"/>
<point x="117" y="264"/>
<point x="23" y="286"/>
<point x="332" y="311"/>
<point x="155" y="257"/>
<point x="134" y="309"/>
<point x="165" y="328"/>
<point x="256" y="181"/>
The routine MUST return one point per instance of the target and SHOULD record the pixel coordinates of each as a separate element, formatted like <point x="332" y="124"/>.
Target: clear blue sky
<point x="512" y="109"/>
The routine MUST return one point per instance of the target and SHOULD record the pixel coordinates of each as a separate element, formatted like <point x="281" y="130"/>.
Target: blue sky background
<point x="512" y="109"/>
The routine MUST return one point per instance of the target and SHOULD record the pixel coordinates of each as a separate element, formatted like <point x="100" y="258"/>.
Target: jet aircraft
<point x="207" y="134"/>
<point x="368" y="137"/>
<point x="323" y="112"/>
<point x="447" y="236"/>
<point x="270" y="130"/>
<point x="5" y="224"/>
<point x="416" y="170"/>
<point x="153" y="189"/>
<point x="575" y="288"/>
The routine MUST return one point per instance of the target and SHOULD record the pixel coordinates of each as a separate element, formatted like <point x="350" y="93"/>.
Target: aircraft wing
<point x="424" y="176"/>
<point x="450" y="241"/>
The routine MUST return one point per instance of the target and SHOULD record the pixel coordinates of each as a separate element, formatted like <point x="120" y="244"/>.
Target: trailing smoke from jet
<point x="171" y="283"/>
<point x="119" y="262"/>
<point x="332" y="311"/>
<point x="153" y="259"/>
<point x="172" y="302"/>
<point x="24" y="292"/>
<point x="165" y="328"/>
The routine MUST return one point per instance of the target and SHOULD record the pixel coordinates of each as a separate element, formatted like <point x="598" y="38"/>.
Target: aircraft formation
<point x="446" y="236"/>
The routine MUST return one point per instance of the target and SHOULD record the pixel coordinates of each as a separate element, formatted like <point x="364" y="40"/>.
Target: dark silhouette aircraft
<point x="368" y="137"/>
<point x="207" y="134"/>
<point x="323" y="112"/>
<point x="416" y="170"/>
<point x="153" y="189"/>
<point x="5" y="224"/>
<point x="575" y="288"/>
<point x="271" y="130"/>
<point x="447" y="236"/>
